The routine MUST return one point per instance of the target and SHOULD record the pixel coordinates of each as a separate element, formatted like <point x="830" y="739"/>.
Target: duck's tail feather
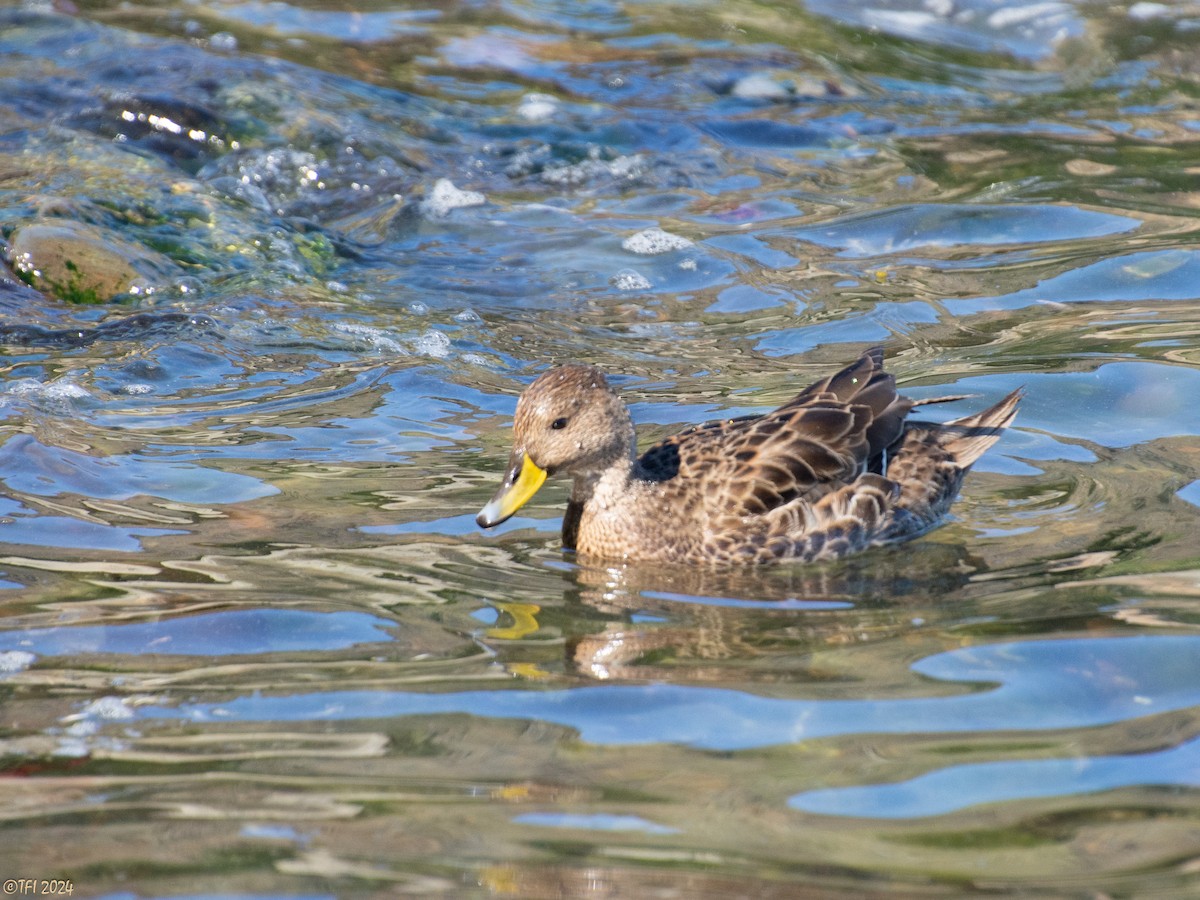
<point x="932" y="459"/>
<point x="950" y="398"/>
<point x="967" y="439"/>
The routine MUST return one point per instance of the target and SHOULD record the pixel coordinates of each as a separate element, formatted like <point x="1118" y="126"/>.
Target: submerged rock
<point x="82" y="263"/>
<point x="185" y="132"/>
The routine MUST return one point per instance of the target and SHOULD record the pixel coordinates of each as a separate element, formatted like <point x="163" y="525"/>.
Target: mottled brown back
<point x="833" y="471"/>
<point x="828" y="434"/>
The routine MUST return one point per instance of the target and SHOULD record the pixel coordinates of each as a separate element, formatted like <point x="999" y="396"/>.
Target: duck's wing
<point x="824" y="437"/>
<point x="865" y="383"/>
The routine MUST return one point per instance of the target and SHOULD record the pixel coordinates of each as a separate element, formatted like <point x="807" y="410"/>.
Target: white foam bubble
<point x="1140" y="12"/>
<point x="653" y="241"/>
<point x="62" y="389"/>
<point x="759" y="86"/>
<point x="537" y="107"/>
<point x="83" y="728"/>
<point x="12" y="661"/>
<point x="1023" y="13"/>
<point x="109" y="708"/>
<point x="71" y="747"/>
<point x="444" y="197"/>
<point x="624" y="168"/>
<point x="629" y="280"/>
<point x="433" y="343"/>
<point x="369" y="335"/>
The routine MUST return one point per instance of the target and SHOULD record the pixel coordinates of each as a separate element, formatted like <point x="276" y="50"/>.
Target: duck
<point x="836" y="470"/>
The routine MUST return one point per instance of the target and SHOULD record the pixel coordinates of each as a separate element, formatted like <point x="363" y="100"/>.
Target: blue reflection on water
<point x="906" y="228"/>
<point x="211" y="634"/>
<point x="1029" y="31"/>
<point x="1032" y="685"/>
<point x="457" y="526"/>
<point x="1149" y="275"/>
<point x="1118" y="404"/>
<point x="1190" y="493"/>
<point x="593" y="822"/>
<point x="958" y="787"/>
<point x="29" y="466"/>
<point x="21" y="525"/>
<point x="789" y="603"/>
<point x="360" y="27"/>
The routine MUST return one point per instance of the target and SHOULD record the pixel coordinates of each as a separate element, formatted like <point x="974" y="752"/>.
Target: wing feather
<point x="823" y="438"/>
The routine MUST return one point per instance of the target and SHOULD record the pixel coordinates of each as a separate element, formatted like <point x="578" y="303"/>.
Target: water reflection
<point x="1044" y="685"/>
<point x="598" y="822"/>
<point x="955" y="788"/>
<point x="1151" y="275"/>
<point x="903" y="229"/>
<point x="230" y="633"/>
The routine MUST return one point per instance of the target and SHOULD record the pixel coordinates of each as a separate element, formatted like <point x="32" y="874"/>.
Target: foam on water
<point x="653" y="241"/>
<point x="444" y="198"/>
<point x="629" y="280"/>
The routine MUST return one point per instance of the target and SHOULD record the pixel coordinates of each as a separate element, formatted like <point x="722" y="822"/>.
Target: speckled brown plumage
<point x="832" y="472"/>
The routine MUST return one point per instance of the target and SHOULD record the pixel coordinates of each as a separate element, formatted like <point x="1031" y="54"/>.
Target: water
<point x="252" y="642"/>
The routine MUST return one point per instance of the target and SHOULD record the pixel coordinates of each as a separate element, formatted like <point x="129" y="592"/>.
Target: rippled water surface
<point x="275" y="273"/>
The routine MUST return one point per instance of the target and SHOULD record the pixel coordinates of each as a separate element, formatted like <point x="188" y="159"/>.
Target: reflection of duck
<point x="768" y="623"/>
<point x="834" y="471"/>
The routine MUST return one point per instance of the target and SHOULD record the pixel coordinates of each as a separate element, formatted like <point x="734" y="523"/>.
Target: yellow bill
<point x="522" y="482"/>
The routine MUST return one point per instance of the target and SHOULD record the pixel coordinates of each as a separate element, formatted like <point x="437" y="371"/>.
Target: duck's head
<point x="569" y="422"/>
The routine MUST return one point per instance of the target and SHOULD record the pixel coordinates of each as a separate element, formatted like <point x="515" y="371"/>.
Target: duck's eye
<point x="559" y="423"/>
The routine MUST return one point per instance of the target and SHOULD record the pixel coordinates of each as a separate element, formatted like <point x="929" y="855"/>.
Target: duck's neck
<point x="597" y="491"/>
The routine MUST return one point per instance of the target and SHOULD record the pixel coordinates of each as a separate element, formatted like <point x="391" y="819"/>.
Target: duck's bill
<point x="522" y="482"/>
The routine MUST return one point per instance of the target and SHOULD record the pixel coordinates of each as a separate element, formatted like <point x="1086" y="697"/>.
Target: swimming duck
<point x="835" y="470"/>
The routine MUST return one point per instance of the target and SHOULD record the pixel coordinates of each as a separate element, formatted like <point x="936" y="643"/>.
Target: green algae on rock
<point x="82" y="263"/>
